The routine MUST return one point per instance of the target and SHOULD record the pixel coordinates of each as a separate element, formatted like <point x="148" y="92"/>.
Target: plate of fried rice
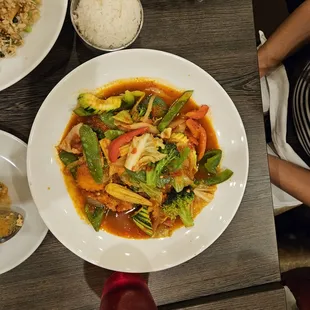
<point x="28" y="31"/>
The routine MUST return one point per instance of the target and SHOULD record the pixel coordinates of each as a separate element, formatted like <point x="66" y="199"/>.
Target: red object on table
<point x="125" y="291"/>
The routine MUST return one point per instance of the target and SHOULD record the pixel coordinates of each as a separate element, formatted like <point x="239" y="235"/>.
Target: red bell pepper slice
<point x="198" y="114"/>
<point x="114" y="147"/>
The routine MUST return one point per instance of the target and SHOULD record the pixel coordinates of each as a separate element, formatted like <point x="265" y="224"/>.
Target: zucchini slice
<point x="94" y="105"/>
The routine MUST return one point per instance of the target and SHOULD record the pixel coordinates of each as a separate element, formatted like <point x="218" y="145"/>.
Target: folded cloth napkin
<point x="290" y="299"/>
<point x="275" y="92"/>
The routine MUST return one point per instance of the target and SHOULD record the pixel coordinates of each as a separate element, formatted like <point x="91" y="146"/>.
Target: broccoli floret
<point x="171" y="150"/>
<point x="179" y="204"/>
<point x="155" y="171"/>
<point x="141" y="109"/>
<point x="160" y="108"/>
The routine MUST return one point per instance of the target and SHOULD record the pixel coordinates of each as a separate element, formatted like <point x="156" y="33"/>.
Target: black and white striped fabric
<point x="301" y="109"/>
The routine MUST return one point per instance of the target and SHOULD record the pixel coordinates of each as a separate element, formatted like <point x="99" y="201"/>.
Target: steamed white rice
<point x="108" y="23"/>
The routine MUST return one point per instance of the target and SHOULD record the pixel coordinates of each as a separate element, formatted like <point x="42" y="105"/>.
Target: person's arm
<point x="291" y="178"/>
<point x="294" y="31"/>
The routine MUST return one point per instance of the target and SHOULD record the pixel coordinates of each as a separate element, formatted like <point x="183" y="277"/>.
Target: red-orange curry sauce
<point x="120" y="223"/>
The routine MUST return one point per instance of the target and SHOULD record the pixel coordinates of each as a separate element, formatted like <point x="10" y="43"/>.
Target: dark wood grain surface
<point x="274" y="300"/>
<point x="218" y="36"/>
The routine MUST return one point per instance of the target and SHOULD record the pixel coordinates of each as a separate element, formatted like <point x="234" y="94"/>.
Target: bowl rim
<point x="73" y="6"/>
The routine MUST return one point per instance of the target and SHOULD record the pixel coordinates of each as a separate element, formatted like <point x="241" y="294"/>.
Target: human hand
<point x="266" y="62"/>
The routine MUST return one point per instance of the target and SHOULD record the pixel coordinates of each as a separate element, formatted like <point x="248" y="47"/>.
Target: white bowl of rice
<point x="107" y="25"/>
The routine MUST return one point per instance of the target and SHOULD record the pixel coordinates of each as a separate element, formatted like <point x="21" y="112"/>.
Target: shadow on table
<point x="85" y="53"/>
<point x="96" y="276"/>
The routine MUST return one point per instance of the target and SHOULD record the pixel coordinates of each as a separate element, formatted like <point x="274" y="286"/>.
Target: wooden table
<point x="218" y="36"/>
<point x="273" y="299"/>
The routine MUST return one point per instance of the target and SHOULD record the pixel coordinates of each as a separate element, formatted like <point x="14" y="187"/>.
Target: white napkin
<point x="275" y="92"/>
<point x="290" y="299"/>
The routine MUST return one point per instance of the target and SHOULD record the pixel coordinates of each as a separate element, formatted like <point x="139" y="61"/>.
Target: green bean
<point x="219" y="178"/>
<point x="174" y="110"/>
<point x="95" y="217"/>
<point x="92" y="152"/>
<point x="212" y="159"/>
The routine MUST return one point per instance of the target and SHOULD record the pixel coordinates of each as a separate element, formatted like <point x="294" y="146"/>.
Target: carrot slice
<point x="194" y="127"/>
<point x="193" y="140"/>
<point x="198" y="114"/>
<point x="201" y="148"/>
<point x="190" y="137"/>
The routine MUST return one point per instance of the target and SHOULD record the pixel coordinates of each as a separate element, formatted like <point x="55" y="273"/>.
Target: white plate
<point x="55" y="205"/>
<point x="13" y="173"/>
<point x="37" y="44"/>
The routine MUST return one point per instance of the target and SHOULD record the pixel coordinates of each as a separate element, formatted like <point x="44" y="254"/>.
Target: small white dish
<point x="73" y="6"/>
<point x="37" y="43"/>
<point x="49" y="190"/>
<point x="13" y="174"/>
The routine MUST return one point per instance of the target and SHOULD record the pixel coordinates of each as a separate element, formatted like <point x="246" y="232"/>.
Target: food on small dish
<point x="10" y="222"/>
<point x="17" y="18"/>
<point x="140" y="159"/>
<point x="5" y="200"/>
<point x="108" y="24"/>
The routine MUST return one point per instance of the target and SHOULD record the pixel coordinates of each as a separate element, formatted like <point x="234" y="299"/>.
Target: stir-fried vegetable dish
<point x="16" y="19"/>
<point x="140" y="159"/>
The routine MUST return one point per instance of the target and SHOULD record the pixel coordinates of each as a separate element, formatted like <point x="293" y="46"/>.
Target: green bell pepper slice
<point x="113" y="134"/>
<point x="212" y="159"/>
<point x="95" y="217"/>
<point x="219" y="178"/>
